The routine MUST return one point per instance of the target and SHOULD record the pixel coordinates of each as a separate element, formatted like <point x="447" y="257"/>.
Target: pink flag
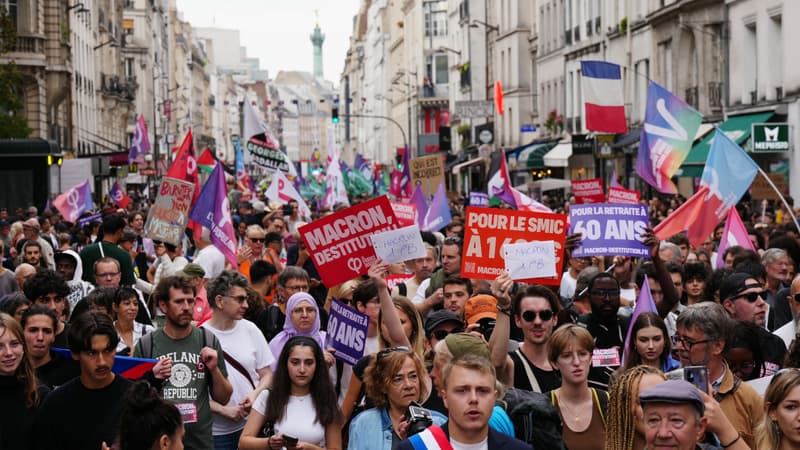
<point x="500" y="187"/>
<point x="421" y="205"/>
<point x="735" y="234"/>
<point x="614" y="181"/>
<point x="644" y="304"/>
<point x="75" y="201"/>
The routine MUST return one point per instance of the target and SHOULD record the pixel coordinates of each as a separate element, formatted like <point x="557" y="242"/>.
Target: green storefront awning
<point x="535" y="159"/>
<point x="736" y="127"/>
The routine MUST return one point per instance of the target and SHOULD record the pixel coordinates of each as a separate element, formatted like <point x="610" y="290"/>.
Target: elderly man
<point x="776" y="262"/>
<point x="674" y="416"/>
<point x="703" y="331"/>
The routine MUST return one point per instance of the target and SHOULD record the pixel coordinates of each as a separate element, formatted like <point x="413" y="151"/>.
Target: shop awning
<point x="550" y="184"/>
<point x="631" y="138"/>
<point x="457" y="168"/>
<point x="737" y="128"/>
<point x="559" y="155"/>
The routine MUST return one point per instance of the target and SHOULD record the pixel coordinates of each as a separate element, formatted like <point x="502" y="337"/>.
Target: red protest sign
<point x="393" y="280"/>
<point x="406" y="213"/>
<point x="621" y="195"/>
<point x="588" y="191"/>
<point x="340" y="244"/>
<point x="488" y="229"/>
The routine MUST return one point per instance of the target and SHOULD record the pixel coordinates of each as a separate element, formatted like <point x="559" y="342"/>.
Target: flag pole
<point x="785" y="203"/>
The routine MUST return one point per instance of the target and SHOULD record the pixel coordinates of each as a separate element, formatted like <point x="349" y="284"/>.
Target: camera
<point x="487" y="327"/>
<point x="417" y="418"/>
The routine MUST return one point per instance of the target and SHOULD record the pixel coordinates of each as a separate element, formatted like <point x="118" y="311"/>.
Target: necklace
<point x="574" y="411"/>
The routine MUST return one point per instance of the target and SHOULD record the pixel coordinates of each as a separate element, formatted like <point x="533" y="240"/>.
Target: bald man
<point x="23" y="273"/>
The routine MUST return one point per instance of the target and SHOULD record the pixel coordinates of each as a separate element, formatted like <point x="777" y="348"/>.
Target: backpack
<point x="535" y="419"/>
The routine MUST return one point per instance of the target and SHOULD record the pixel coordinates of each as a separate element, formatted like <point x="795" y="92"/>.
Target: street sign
<point x="770" y="137"/>
<point x="147" y="171"/>
<point x="472" y="109"/>
<point x="485" y="133"/>
<point x="527" y="128"/>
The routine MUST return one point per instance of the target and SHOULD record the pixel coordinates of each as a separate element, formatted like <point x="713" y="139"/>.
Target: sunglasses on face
<point x="530" y="316"/>
<point x="256" y="240"/>
<point x="751" y="297"/>
<point x="441" y="334"/>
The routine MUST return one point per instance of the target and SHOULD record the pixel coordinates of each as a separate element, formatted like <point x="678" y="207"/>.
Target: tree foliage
<point x="12" y="123"/>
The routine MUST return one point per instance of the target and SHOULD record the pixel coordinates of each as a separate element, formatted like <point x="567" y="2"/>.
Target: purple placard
<point x="347" y="332"/>
<point x="478" y="199"/>
<point x="609" y="229"/>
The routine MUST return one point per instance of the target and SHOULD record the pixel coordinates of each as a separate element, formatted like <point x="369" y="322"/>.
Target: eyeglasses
<point x="296" y="288"/>
<point x="688" y="343"/>
<point x="530" y="316"/>
<point x="257" y="240"/>
<point x="441" y="334"/>
<point x="239" y="298"/>
<point x="387" y="351"/>
<point x="106" y="275"/>
<point x="605" y="292"/>
<point x="752" y="297"/>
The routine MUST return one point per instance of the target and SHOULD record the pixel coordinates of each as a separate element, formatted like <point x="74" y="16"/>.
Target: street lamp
<point x="82" y="9"/>
<point x="448" y="49"/>
<point x="111" y="41"/>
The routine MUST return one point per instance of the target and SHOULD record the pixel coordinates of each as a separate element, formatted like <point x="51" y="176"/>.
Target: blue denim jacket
<point x="372" y="429"/>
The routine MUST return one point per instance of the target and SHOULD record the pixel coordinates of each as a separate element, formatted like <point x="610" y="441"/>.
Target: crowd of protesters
<point x="243" y="357"/>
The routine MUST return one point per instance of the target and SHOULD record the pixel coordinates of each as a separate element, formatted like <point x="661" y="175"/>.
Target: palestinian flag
<point x="206" y="161"/>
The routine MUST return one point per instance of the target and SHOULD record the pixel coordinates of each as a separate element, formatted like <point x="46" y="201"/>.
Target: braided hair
<point x="620" y="423"/>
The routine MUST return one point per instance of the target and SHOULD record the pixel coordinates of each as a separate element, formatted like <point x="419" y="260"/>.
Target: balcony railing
<point x="465" y="78"/>
<point x="434" y="91"/>
<point x="29" y="44"/>
<point x="691" y="96"/>
<point x="122" y="87"/>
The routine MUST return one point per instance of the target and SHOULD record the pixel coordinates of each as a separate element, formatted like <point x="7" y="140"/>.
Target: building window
<point x="435" y="19"/>
<point x="129" y="67"/>
<point x="10" y="7"/>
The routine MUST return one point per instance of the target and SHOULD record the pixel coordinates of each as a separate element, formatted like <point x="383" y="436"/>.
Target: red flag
<point x="692" y="213"/>
<point x="118" y="195"/>
<point x="184" y="167"/>
<point x="498" y="97"/>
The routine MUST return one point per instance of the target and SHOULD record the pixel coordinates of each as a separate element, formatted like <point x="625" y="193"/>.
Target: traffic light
<point x="335" y="115"/>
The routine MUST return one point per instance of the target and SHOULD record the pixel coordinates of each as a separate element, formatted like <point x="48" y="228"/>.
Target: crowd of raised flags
<point x="670" y="126"/>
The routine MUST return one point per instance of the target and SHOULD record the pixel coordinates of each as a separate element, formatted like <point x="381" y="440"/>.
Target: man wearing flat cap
<point x="676" y="415"/>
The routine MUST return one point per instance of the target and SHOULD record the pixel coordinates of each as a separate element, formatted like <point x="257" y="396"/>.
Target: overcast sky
<point x="277" y="31"/>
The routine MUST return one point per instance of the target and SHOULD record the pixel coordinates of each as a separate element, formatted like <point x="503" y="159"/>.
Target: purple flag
<point x="140" y="143"/>
<point x="438" y="215"/>
<point x="644" y="304"/>
<point x="419" y="200"/>
<point x="213" y="212"/>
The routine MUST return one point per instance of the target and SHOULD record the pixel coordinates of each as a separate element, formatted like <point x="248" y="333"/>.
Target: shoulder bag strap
<point x="529" y="371"/>
<point x="238" y="366"/>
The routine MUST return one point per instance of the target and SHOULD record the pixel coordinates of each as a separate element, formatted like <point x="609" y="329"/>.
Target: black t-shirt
<point x="773" y="349"/>
<point x="548" y="379"/>
<point x="58" y="371"/>
<point x="61" y="338"/>
<point x="74" y="417"/>
<point x="605" y="337"/>
<point x="16" y="419"/>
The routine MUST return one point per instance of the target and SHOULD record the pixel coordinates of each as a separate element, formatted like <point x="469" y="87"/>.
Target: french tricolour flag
<point x="602" y="93"/>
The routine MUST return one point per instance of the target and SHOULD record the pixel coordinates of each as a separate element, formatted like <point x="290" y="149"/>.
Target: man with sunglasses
<point x="534" y="312"/>
<point x="744" y="299"/>
<point x="703" y="331"/>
